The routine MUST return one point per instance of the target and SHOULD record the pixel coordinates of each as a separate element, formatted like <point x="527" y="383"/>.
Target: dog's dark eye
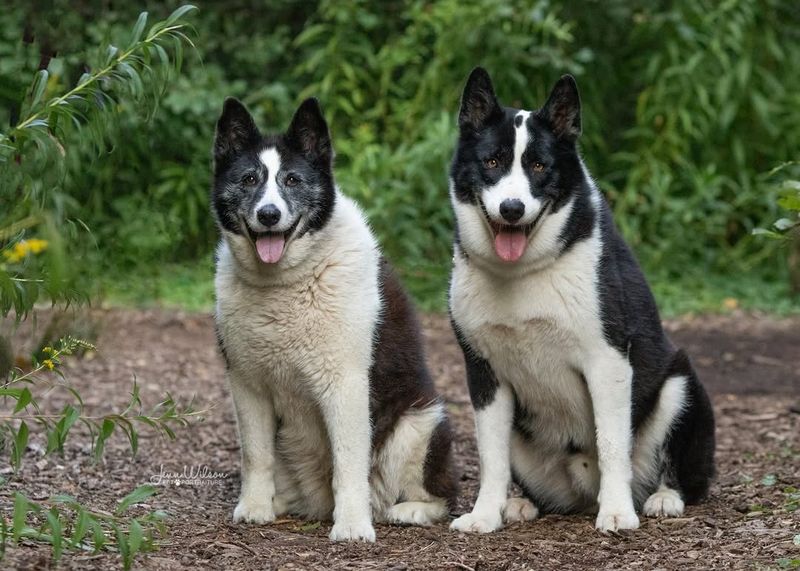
<point x="249" y="179"/>
<point x="538" y="167"/>
<point x="292" y="180"/>
<point x="490" y="163"/>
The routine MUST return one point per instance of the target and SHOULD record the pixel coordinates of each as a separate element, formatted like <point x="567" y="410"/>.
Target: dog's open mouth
<point x="270" y="246"/>
<point x="511" y="240"/>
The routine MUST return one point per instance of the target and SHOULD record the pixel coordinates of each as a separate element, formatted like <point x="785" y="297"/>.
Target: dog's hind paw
<point x="478" y="522"/>
<point x="253" y="511"/>
<point x="417" y="513"/>
<point x="664" y="502"/>
<point x="519" y="509"/>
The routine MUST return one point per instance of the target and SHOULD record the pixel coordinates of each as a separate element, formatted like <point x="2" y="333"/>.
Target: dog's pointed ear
<point x="478" y="102"/>
<point x="563" y="109"/>
<point x="308" y="132"/>
<point x="236" y="130"/>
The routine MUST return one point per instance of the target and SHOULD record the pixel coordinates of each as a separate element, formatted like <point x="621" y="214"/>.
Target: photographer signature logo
<point x="200" y="475"/>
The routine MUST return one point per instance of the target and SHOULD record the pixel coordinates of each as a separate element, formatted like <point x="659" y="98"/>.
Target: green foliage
<point x="686" y="106"/>
<point x="713" y="99"/>
<point x="63" y="522"/>
<point x="34" y="165"/>
<point x="788" y="198"/>
<point x="50" y="125"/>
<point x="66" y="524"/>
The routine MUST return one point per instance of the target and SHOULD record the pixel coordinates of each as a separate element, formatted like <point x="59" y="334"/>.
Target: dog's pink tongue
<point x="270" y="247"/>
<point x="510" y="244"/>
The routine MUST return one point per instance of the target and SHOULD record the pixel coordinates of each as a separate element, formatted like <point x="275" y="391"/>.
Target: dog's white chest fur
<point x="295" y="341"/>
<point x="288" y="333"/>
<point x="536" y="330"/>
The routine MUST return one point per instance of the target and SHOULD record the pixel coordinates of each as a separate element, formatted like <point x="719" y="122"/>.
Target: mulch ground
<point x="750" y="365"/>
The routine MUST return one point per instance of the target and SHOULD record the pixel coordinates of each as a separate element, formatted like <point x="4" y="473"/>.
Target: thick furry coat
<point x="579" y="395"/>
<point x="337" y="413"/>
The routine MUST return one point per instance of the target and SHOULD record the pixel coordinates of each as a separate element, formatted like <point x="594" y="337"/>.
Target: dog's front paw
<point x="478" y="522"/>
<point x="616" y="520"/>
<point x="253" y="510"/>
<point x="353" y="531"/>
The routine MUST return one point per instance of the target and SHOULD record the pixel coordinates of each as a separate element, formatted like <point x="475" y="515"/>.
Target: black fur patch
<point x="399" y="381"/>
<point x="481" y="381"/>
<point x="691" y="444"/>
<point x="221" y="345"/>
<point x="563" y="109"/>
<point x="439" y="473"/>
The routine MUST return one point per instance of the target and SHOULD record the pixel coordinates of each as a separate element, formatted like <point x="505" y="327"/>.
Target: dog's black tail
<point x="691" y="443"/>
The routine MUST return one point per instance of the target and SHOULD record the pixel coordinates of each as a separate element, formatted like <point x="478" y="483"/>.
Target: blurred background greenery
<point x="688" y="107"/>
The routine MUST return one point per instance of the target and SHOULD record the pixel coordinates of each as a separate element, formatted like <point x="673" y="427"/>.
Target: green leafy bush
<point x="686" y="105"/>
<point x="49" y="121"/>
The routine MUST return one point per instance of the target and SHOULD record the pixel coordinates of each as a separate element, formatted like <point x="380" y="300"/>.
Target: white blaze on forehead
<point x="515" y="184"/>
<point x="271" y="159"/>
<point x="521" y="136"/>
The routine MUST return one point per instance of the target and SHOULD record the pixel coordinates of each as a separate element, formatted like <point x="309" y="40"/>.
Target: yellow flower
<point x="49" y="364"/>
<point x="36" y="245"/>
<point x="23" y="248"/>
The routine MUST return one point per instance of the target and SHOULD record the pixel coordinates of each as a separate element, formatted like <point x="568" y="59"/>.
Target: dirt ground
<point x="750" y="364"/>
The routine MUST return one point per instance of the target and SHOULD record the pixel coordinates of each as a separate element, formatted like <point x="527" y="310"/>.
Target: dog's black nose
<point x="269" y="215"/>
<point x="512" y="209"/>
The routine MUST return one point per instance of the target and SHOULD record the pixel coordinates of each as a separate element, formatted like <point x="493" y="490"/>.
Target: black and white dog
<point x="577" y="391"/>
<point x="336" y="410"/>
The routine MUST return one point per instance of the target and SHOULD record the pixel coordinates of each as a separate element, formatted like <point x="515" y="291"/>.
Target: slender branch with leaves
<point x="33" y="163"/>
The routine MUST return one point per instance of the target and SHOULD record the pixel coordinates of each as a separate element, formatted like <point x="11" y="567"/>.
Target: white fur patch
<point x="257" y="433"/>
<point x="664" y="502"/>
<point x="271" y="159"/>
<point x="519" y="509"/>
<point x="398" y="467"/>
<point x="417" y="513"/>
<point x="515" y="184"/>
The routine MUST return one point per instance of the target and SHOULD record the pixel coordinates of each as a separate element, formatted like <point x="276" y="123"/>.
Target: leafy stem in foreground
<point x="115" y="61"/>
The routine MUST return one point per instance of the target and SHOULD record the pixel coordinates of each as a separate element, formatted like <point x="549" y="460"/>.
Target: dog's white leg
<point x="610" y="380"/>
<point x="256" y="421"/>
<point x="493" y="428"/>
<point x="346" y="412"/>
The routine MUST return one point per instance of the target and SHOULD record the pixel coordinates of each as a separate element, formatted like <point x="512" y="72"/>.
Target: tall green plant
<point x="716" y="106"/>
<point x="34" y="234"/>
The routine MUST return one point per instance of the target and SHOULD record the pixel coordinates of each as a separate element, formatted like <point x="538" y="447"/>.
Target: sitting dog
<point x="337" y="413"/>
<point x="577" y="391"/>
